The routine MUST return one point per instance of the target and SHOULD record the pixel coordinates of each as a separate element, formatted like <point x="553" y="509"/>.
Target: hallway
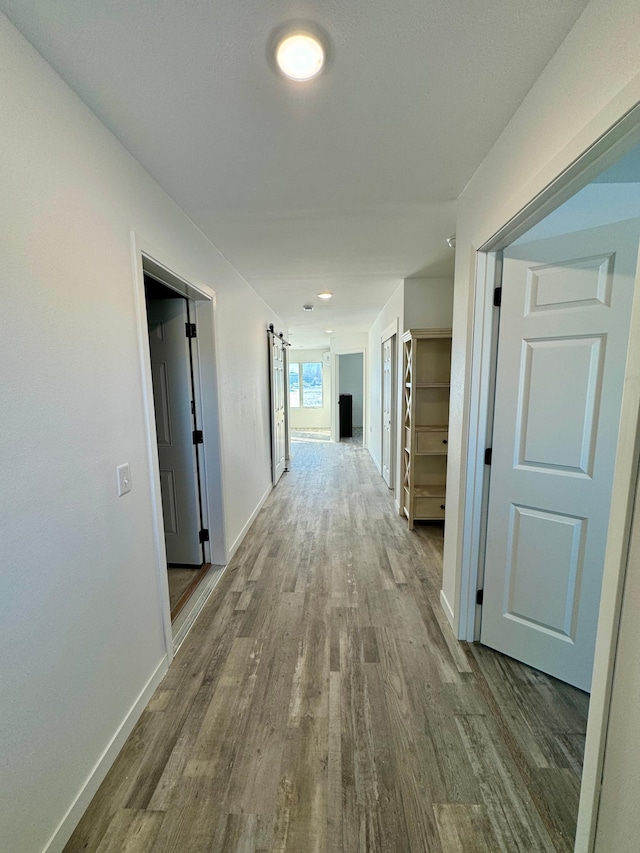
<point x="320" y="703"/>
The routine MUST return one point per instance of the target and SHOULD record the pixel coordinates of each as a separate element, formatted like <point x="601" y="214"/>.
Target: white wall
<point x="428" y="303"/>
<point x="302" y="418"/>
<point x="80" y="623"/>
<point x="351" y="381"/>
<point x="393" y="312"/>
<point x="418" y="303"/>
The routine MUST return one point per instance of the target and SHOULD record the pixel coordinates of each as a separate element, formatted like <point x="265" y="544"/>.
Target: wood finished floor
<point x="179" y="581"/>
<point x="320" y="703"/>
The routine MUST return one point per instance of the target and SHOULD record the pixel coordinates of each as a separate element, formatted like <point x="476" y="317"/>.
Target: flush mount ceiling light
<point x="325" y="295"/>
<point x="329" y="331"/>
<point x="299" y="50"/>
<point x="300" y="56"/>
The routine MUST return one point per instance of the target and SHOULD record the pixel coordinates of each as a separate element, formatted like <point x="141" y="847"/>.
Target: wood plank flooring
<point x="179" y="582"/>
<point x="320" y="703"/>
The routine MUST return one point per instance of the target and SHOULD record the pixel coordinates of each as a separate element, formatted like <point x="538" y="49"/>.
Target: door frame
<point x="199" y="473"/>
<point x="391" y="331"/>
<point x="335" y="391"/>
<point x="148" y="259"/>
<point x="619" y="140"/>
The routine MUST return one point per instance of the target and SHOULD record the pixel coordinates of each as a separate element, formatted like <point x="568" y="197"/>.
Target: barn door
<point x="278" y="397"/>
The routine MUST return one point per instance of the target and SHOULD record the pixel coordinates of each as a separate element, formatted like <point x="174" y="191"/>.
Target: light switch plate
<point x="123" y="473"/>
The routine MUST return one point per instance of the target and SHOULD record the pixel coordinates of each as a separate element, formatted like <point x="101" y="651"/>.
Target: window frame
<point x="300" y="365"/>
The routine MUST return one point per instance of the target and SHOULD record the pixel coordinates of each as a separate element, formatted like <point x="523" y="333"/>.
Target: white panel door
<point x="278" y="437"/>
<point x="172" y="397"/>
<point x="562" y="346"/>
<point x="387" y="410"/>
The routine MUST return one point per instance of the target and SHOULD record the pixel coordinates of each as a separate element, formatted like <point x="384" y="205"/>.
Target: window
<point x="294" y="386"/>
<point x="307" y="394"/>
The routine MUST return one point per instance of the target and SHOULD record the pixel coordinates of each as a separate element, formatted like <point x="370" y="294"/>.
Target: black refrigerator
<point x="346" y="415"/>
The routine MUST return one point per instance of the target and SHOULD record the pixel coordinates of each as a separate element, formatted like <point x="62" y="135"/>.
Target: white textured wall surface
<point x="393" y="311"/>
<point x="313" y="418"/>
<point x="80" y="622"/>
<point x="428" y="303"/>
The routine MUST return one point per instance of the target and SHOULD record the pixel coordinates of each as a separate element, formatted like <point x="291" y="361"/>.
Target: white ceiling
<point x="346" y="183"/>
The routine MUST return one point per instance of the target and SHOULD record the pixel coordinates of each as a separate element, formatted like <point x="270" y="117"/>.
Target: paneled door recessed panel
<point x="545" y="565"/>
<point x="169" y="502"/>
<point x="161" y="403"/>
<point x="558" y="404"/>
<point x="573" y="284"/>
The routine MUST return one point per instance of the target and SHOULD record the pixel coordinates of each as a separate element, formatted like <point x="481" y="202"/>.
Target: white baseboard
<point x="448" y="610"/>
<point x="69" y="822"/>
<point x="245" y="529"/>
<point x="397" y="506"/>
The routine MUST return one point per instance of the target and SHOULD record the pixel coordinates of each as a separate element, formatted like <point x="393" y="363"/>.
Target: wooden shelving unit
<point x="427" y="371"/>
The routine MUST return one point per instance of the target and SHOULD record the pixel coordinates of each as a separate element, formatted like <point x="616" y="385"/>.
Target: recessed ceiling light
<point x="307" y="307"/>
<point x="325" y="295"/>
<point x="300" y="55"/>
<point x="329" y="331"/>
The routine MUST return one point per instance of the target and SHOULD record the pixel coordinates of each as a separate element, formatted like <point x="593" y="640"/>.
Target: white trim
<point x="488" y="276"/>
<point x="252" y="518"/>
<point x="208" y="411"/>
<point x="614" y="143"/>
<point x="615" y="567"/>
<point x="395" y="452"/>
<point x="192" y="610"/>
<point x="97" y="775"/>
<point x="390" y="331"/>
<point x="162" y="580"/>
<point x="448" y="611"/>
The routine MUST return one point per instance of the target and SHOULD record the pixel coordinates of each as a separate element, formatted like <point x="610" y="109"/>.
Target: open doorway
<point x="553" y="438"/>
<point x="310" y="394"/>
<point x="176" y="327"/>
<point x="561" y="328"/>
<point x="350" y="388"/>
<point x="179" y="438"/>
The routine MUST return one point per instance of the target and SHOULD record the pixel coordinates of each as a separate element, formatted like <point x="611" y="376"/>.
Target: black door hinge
<point x="497" y="297"/>
<point x="203" y="535"/>
<point x="190" y="329"/>
<point x="479" y="596"/>
<point x="487" y="455"/>
<point x="198" y="438"/>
